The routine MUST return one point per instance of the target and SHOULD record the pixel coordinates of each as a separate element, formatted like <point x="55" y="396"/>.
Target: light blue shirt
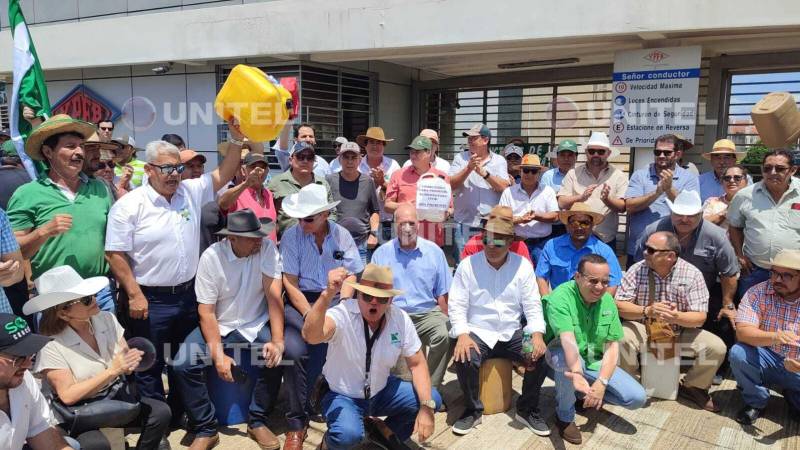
<point x="302" y="258"/>
<point x="421" y="273"/>
<point x="559" y="260"/>
<point x="645" y="181"/>
<point x="553" y="178"/>
<point x="711" y="186"/>
<point x="8" y="244"/>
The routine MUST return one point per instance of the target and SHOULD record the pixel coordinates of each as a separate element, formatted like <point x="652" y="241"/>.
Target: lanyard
<point x="370" y="342"/>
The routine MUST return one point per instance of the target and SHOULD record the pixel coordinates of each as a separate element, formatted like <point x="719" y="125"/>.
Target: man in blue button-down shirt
<point x="648" y="189"/>
<point x="420" y="270"/>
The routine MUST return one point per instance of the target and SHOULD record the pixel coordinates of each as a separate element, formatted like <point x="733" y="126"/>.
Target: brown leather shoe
<point x="264" y="437"/>
<point x="204" y="442"/>
<point x="699" y="397"/>
<point x="294" y="440"/>
<point x="569" y="432"/>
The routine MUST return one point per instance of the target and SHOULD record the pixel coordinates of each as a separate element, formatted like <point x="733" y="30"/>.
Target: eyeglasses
<point x="167" y="169"/>
<point x="494" y="242"/>
<point x="729" y="178"/>
<point x="663" y="152"/>
<point x="85" y="300"/>
<point x="594" y="281"/>
<point x="652" y="250"/>
<point x="19" y="360"/>
<point x="310" y="219"/>
<point x="782" y="275"/>
<point x="780" y="170"/>
<point x="530" y="170"/>
<point x="580" y="223"/>
<point x="368" y="299"/>
<point x="596" y="151"/>
<point x="107" y="164"/>
<point x="305" y="157"/>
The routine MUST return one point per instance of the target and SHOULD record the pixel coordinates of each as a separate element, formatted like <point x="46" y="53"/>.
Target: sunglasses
<point x="368" y="299"/>
<point x="106" y="165"/>
<point x="167" y="169"/>
<point x="310" y="219"/>
<point x="107" y="128"/>
<point x="780" y="170"/>
<point x="305" y="157"/>
<point x="580" y="223"/>
<point x="729" y="178"/>
<point x="494" y="242"/>
<point x="85" y="300"/>
<point x="663" y="152"/>
<point x="530" y="170"/>
<point x="652" y="250"/>
<point x="596" y="151"/>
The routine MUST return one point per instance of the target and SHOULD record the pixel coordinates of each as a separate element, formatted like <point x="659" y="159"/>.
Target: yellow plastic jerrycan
<point x="261" y="106"/>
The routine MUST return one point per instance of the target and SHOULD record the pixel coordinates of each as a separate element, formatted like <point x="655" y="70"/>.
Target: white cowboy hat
<point x="789" y="259"/>
<point x="310" y="200"/>
<point x="60" y="285"/>
<point x="687" y="203"/>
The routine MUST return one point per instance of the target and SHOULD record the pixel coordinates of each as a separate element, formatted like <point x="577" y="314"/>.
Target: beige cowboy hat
<point x="725" y="147"/>
<point x="112" y="146"/>
<point x="789" y="259"/>
<point x="60" y="123"/>
<point x="381" y="277"/>
<point x="581" y="208"/>
<point x="59" y="285"/>
<point x="372" y="133"/>
<point x="500" y="221"/>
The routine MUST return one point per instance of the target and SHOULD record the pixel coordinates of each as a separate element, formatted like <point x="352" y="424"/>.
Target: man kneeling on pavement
<point x="366" y="335"/>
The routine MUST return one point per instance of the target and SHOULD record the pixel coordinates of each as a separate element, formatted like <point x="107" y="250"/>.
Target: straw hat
<point x="372" y="133"/>
<point x="500" y="221"/>
<point x="59" y="285"/>
<point x="581" y="208"/>
<point x="60" y="123"/>
<point x="725" y="147"/>
<point x="380" y="277"/>
<point x="531" y="160"/>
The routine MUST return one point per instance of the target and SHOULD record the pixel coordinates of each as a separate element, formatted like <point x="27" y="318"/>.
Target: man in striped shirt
<point x="768" y="351"/>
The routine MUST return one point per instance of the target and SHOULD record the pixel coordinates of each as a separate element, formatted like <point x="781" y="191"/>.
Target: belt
<point x="177" y="289"/>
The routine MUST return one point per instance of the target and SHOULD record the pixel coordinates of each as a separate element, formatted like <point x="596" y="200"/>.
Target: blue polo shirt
<point x="645" y="181"/>
<point x="553" y="178"/>
<point x="421" y="273"/>
<point x="559" y="260"/>
<point x="711" y="186"/>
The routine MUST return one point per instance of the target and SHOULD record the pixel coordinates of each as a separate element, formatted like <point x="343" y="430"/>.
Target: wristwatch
<point x="430" y="403"/>
<point x="603" y="380"/>
<point x="487" y="175"/>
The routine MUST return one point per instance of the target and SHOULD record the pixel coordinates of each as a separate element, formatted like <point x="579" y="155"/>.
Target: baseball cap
<point x="350" y="147"/>
<point x="188" y="155"/>
<point x="420" y="143"/>
<point x="430" y="134"/>
<point x="340" y="140"/>
<point x="16" y="337"/>
<point x="9" y="149"/>
<point x="515" y="149"/>
<point x="253" y="158"/>
<point x="125" y="140"/>
<point x="567" y="145"/>
<point x="479" y="129"/>
<point x="299" y="146"/>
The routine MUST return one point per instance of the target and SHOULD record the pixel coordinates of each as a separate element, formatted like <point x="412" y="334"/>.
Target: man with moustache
<point x="722" y="155"/>
<point x="303" y="133"/>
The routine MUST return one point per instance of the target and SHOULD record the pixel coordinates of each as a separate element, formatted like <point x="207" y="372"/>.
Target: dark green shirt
<point x="593" y="324"/>
<point x="284" y="185"/>
<point x="83" y="246"/>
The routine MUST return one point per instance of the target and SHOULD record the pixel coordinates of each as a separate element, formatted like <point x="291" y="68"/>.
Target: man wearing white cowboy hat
<point x="380" y="167"/>
<point x="310" y="250"/>
<point x="438" y="162"/>
<point x="722" y="156"/>
<point x="768" y="351"/>
<point x="60" y="218"/>
<point x="491" y="292"/>
<point x="230" y="314"/>
<point x="362" y="386"/>
<point x="600" y="185"/>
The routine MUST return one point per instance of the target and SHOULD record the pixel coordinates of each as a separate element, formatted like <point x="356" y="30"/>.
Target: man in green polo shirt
<point x="60" y="218"/>
<point x="583" y="315"/>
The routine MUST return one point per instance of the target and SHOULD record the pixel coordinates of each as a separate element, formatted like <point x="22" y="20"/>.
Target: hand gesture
<point x="605" y="192"/>
<point x="9" y="271"/>
<point x="588" y="192"/>
<point x="786" y="337"/>
<point x="475" y="163"/>
<point x="729" y="314"/>
<point x="463" y="346"/>
<point x="126" y="360"/>
<point x="273" y="352"/>
<point x="579" y="382"/>
<point x="378" y="176"/>
<point x="127" y="174"/>
<point x="665" y="311"/>
<point x="594" y="399"/>
<point x="59" y="224"/>
<point x="223" y="366"/>
<point x="138" y="306"/>
<point x="336" y="278"/>
<point x="423" y="426"/>
<point x="665" y="183"/>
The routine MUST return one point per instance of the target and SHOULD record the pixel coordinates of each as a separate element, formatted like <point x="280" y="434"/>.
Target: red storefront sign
<point x="85" y="104"/>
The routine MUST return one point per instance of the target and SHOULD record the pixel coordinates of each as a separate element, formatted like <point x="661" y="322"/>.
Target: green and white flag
<point x="29" y="87"/>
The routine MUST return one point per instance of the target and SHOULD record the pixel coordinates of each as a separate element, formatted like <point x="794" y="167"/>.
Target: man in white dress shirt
<point x="491" y="292"/>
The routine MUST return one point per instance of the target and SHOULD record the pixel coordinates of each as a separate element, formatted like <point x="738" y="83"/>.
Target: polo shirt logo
<point x="606" y="313"/>
<point x="185" y="214"/>
<point x="396" y="339"/>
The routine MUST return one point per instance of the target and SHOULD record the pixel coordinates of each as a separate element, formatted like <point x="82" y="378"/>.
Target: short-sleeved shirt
<point x="346" y="359"/>
<point x="645" y="181"/>
<point x="542" y="200"/>
<point x="389" y="167"/>
<point x="235" y="286"/>
<point x="36" y="203"/>
<point x="69" y="351"/>
<point x="559" y="260"/>
<point x="8" y="245"/>
<point x="421" y="273"/>
<point x="248" y="200"/>
<point x="711" y="185"/>
<point x="553" y="178"/>
<point x="578" y="179"/>
<point x="160" y="237"/>
<point x="709" y="249"/>
<point x="138" y="172"/>
<point x="403" y="189"/>
<point x="762" y="307"/>
<point x="302" y="258"/>
<point x="475" y="191"/>
<point x="284" y="185"/>
<point x="684" y="286"/>
<point x="30" y="413"/>
<point x="357" y="199"/>
<point x="593" y="324"/>
<point x="769" y="227"/>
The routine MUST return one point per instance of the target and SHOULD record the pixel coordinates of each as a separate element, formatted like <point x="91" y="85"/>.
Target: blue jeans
<point x="622" y="390"/>
<point x="105" y="299"/>
<point x="362" y="252"/>
<point x="536" y="249"/>
<point x="462" y="233"/>
<point x="345" y="415"/>
<point x="756" y="368"/>
<point x="190" y="365"/>
<point x="757" y="275"/>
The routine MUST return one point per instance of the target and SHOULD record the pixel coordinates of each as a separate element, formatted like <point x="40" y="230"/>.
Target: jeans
<point x="171" y="318"/>
<point x="757" y="275"/>
<point x="756" y="368"/>
<point x="469" y="372"/>
<point x="363" y="253"/>
<point x="622" y="390"/>
<point x="105" y="299"/>
<point x="345" y="415"/>
<point x="461" y="235"/>
<point x="190" y="365"/>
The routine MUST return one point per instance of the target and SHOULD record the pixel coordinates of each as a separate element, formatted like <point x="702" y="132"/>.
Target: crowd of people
<point x="328" y="275"/>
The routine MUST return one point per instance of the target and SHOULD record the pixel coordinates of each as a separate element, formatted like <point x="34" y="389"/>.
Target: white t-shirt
<point x="30" y="414"/>
<point x="345" y="364"/>
<point x="235" y="285"/>
<point x="543" y="200"/>
<point x="162" y="239"/>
